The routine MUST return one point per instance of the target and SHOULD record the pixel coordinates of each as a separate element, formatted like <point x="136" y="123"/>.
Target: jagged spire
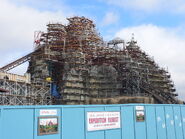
<point x="132" y="42"/>
<point x="132" y="39"/>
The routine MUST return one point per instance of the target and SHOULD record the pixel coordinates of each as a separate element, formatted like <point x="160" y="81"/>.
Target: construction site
<point x="72" y="64"/>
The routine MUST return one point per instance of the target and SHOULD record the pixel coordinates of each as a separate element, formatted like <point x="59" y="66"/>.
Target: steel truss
<point x="24" y="94"/>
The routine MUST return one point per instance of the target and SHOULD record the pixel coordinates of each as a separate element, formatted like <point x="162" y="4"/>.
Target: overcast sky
<point x="158" y="25"/>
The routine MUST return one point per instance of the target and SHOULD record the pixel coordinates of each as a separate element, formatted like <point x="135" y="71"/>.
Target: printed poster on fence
<point x="47" y="125"/>
<point x="103" y="120"/>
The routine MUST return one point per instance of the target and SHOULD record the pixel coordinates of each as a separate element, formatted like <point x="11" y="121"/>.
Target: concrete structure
<point x="15" y="78"/>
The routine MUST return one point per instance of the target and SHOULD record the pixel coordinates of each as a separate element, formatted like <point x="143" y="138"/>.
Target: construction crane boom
<point x="16" y="63"/>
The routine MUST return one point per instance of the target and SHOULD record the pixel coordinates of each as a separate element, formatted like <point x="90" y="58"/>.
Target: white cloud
<point x="110" y="18"/>
<point x="175" y="6"/>
<point x="166" y="45"/>
<point x="17" y="25"/>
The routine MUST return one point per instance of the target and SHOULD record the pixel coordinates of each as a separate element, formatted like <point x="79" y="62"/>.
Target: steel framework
<point x="72" y="64"/>
<point x="20" y="93"/>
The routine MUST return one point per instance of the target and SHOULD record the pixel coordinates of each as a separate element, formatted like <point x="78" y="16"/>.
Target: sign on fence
<point x="47" y="112"/>
<point x="103" y="120"/>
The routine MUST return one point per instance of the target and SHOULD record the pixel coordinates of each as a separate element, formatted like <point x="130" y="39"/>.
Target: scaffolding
<point x="72" y="64"/>
<point x="20" y="93"/>
<point x="87" y="69"/>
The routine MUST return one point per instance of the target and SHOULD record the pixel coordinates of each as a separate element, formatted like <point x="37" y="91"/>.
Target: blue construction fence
<point x="127" y="121"/>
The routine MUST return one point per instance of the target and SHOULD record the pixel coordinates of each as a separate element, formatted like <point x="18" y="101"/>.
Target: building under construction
<point x="71" y="64"/>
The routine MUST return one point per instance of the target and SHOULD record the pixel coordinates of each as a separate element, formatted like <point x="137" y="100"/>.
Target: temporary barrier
<point x="130" y="121"/>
